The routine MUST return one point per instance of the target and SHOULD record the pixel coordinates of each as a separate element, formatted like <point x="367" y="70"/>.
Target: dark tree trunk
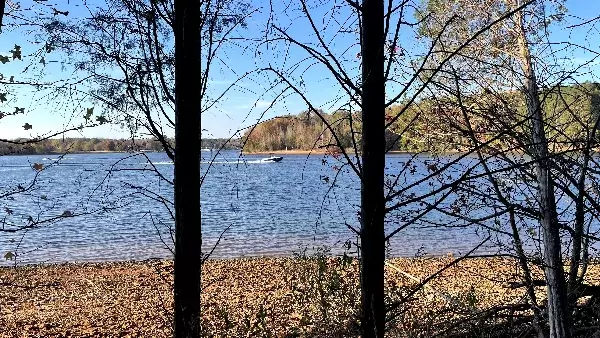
<point x="579" y="227"/>
<point x="558" y="314"/>
<point x="2" y="5"/>
<point x="579" y="250"/>
<point x="373" y="164"/>
<point x="188" y="236"/>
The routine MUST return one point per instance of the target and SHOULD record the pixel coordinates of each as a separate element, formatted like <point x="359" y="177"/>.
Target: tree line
<point x="424" y="126"/>
<point x="83" y="145"/>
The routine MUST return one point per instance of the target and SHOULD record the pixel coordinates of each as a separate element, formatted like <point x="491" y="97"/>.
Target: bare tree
<point x="150" y="63"/>
<point x="388" y="74"/>
<point x="558" y="315"/>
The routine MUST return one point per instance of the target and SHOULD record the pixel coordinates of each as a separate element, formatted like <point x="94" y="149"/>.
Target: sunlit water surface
<point x="257" y="208"/>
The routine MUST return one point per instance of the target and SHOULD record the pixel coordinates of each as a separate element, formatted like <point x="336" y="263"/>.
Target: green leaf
<point x="88" y="113"/>
<point x="16" y="52"/>
<point x="27" y="126"/>
<point x="49" y="47"/>
<point x="9" y="256"/>
<point x="101" y="119"/>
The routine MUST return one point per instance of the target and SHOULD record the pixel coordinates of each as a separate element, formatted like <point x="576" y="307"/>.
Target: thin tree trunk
<point x="558" y="314"/>
<point x="2" y="5"/>
<point x="528" y="279"/>
<point x="518" y="244"/>
<point x="578" y="228"/>
<point x="585" y="256"/>
<point x="188" y="236"/>
<point x="577" y="246"/>
<point x="373" y="164"/>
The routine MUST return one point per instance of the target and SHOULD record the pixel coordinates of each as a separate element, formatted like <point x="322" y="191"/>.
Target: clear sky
<point x="48" y="112"/>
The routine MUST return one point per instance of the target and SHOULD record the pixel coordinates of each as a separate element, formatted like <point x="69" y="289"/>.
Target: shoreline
<point x="266" y="153"/>
<point x="224" y="260"/>
<point x="325" y="152"/>
<point x="78" y="153"/>
<point x="7" y="264"/>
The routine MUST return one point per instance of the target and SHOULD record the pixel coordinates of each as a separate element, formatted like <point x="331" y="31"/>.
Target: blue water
<point x="259" y="208"/>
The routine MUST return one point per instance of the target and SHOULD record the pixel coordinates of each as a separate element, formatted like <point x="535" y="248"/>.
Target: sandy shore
<point x="283" y="297"/>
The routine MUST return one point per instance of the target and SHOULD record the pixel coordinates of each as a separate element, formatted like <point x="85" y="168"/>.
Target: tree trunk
<point x="578" y="228"/>
<point x="373" y="164"/>
<point x="517" y="243"/>
<point x="188" y="236"/>
<point x="2" y="5"/>
<point x="558" y="314"/>
<point x="579" y="251"/>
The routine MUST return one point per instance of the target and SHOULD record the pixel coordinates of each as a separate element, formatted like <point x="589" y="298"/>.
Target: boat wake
<point x="222" y="161"/>
<point x="236" y="162"/>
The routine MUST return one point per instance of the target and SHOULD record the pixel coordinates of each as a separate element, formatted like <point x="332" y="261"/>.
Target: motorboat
<point x="272" y="159"/>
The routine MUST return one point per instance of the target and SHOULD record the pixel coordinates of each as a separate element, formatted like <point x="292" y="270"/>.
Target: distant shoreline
<point x="272" y="152"/>
<point x="318" y="151"/>
<point x="324" y="152"/>
<point x="55" y="153"/>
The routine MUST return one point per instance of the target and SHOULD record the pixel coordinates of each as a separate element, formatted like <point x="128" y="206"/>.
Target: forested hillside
<point x="430" y="125"/>
<point x="304" y="131"/>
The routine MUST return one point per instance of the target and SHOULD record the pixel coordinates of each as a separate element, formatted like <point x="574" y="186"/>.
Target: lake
<point x="258" y="208"/>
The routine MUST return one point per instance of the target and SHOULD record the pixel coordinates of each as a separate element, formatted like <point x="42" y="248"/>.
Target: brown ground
<point x="242" y="297"/>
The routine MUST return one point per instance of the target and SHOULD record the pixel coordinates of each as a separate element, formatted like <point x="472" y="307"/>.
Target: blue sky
<point x="243" y="106"/>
